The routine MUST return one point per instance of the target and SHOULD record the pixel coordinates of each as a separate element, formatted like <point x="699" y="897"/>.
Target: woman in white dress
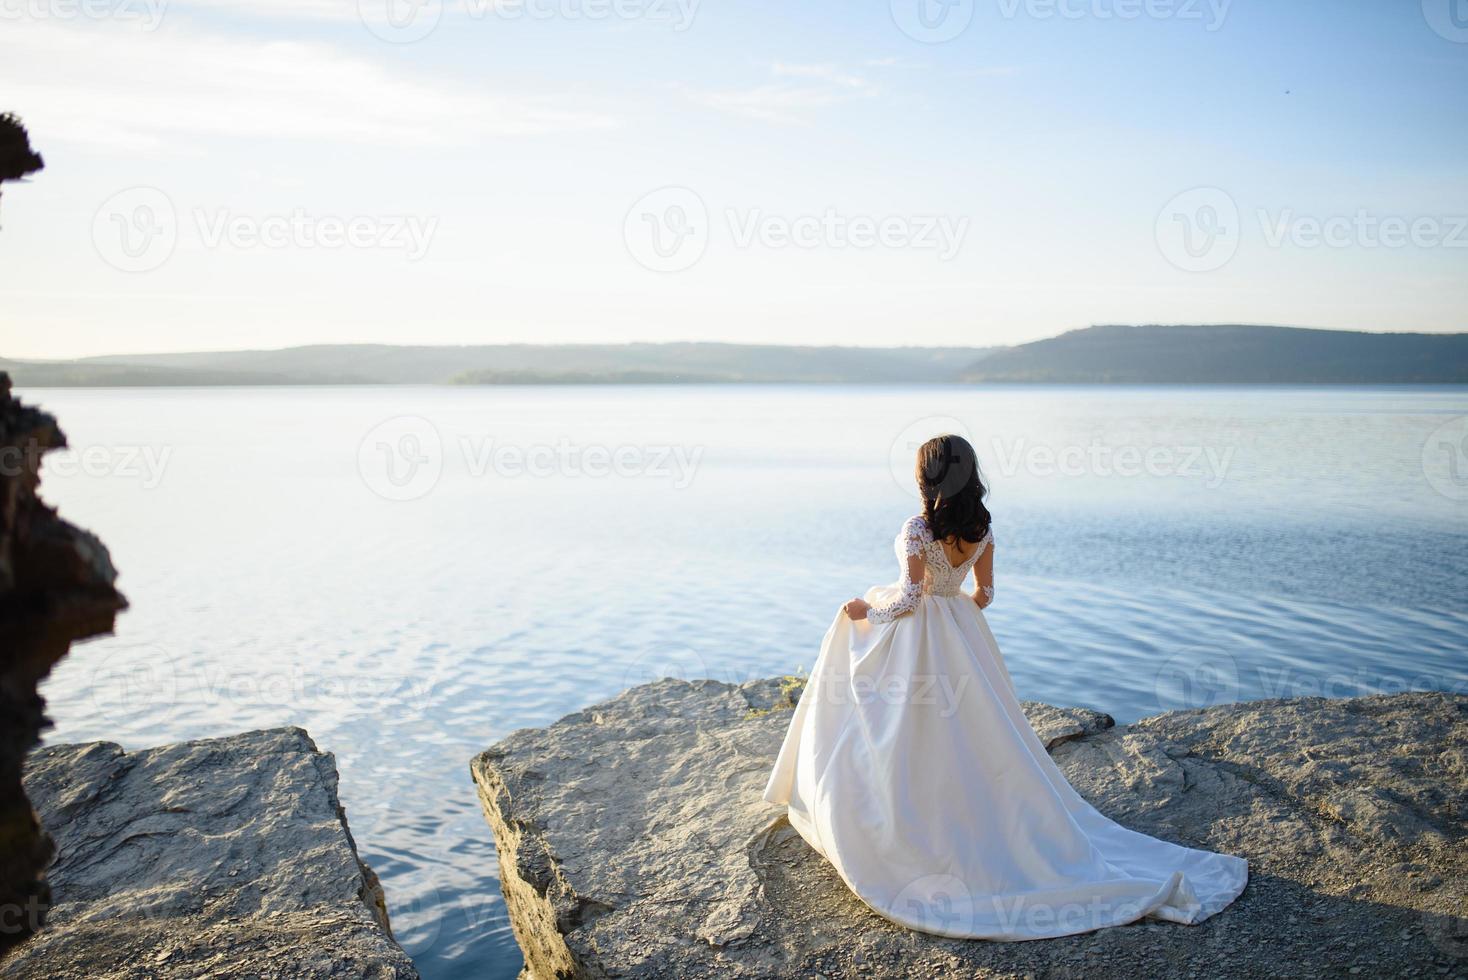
<point x="910" y="766"/>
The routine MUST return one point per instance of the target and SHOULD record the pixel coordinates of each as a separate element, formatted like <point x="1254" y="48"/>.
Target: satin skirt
<point x="909" y="765"/>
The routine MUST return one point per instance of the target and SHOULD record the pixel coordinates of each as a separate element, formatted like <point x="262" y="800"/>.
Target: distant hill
<point x="506" y="364"/>
<point x="1229" y="355"/>
<point x="1096" y="355"/>
<point x="587" y="378"/>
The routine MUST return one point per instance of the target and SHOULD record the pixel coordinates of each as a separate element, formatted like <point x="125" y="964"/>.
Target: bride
<point x="910" y="766"/>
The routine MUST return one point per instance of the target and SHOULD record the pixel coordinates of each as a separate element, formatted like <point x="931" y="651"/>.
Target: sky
<point x="944" y="172"/>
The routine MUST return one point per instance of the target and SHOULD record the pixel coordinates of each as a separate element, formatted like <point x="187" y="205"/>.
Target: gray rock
<point x="1058" y="725"/>
<point x="633" y="842"/>
<point x="226" y="857"/>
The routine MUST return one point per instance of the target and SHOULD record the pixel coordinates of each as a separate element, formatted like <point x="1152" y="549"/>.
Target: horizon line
<point x="721" y="343"/>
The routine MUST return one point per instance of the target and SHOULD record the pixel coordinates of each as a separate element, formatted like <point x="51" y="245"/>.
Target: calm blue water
<point x="412" y="573"/>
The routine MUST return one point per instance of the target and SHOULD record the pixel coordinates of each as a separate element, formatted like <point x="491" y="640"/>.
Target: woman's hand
<point x="980" y="599"/>
<point x="856" y="609"/>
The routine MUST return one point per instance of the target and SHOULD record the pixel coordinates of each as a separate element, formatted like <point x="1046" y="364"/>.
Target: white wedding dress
<point x="910" y="766"/>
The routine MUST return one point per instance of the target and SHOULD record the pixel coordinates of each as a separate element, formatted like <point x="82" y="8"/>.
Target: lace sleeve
<point x="912" y="594"/>
<point x="987" y="591"/>
<point x="912" y="541"/>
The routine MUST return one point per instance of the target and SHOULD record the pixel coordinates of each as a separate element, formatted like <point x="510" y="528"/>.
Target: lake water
<point x="412" y="573"/>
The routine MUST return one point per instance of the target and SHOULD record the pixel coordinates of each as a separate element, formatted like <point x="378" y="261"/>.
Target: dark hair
<point x="953" y="490"/>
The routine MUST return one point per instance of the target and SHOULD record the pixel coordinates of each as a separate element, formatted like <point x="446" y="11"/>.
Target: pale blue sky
<point x="1027" y="170"/>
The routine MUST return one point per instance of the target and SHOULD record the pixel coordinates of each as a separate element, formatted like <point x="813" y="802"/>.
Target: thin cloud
<point x="340" y="10"/>
<point x="825" y="73"/>
<point x="280" y="9"/>
<point x="799" y="91"/>
<point x="987" y="71"/>
<point x="69" y="81"/>
<point x="767" y="103"/>
<point x="894" y="62"/>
